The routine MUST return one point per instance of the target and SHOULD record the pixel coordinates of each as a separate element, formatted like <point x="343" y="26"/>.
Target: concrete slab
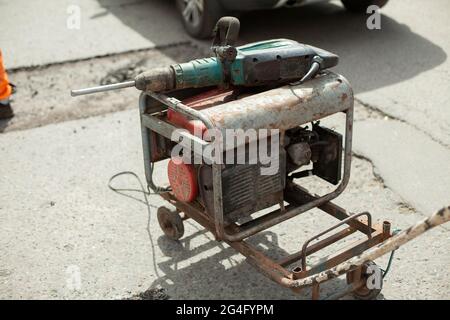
<point x="423" y="99"/>
<point x="40" y="32"/>
<point x="409" y="162"/>
<point x="63" y="229"/>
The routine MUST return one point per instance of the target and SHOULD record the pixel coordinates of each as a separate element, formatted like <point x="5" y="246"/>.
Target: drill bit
<point x="108" y="87"/>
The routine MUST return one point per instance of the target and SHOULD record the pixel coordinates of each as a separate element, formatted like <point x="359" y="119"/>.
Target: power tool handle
<point x="226" y="32"/>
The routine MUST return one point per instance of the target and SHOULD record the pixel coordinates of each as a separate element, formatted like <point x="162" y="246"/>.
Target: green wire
<point x="388" y="267"/>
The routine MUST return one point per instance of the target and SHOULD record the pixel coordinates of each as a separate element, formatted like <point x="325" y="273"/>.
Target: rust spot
<point x="330" y="274"/>
<point x="344" y="97"/>
<point x="442" y="211"/>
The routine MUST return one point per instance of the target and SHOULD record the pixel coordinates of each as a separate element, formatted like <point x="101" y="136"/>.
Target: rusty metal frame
<point x="268" y="220"/>
<point x="277" y="270"/>
<point x="346" y="220"/>
<point x="379" y="238"/>
<point x="299" y="201"/>
<point x="342" y="262"/>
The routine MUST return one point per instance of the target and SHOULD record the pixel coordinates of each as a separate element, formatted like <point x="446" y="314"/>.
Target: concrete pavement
<point x="402" y="69"/>
<point x="38" y="31"/>
<point x="424" y="162"/>
<point x="58" y="216"/>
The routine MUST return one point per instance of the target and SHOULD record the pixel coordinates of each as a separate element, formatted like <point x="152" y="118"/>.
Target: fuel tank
<point x="285" y="107"/>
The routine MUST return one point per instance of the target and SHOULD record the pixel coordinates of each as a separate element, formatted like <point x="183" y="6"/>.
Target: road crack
<point x="388" y="116"/>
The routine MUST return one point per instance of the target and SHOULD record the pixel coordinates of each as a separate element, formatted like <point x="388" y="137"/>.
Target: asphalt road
<point x="57" y="155"/>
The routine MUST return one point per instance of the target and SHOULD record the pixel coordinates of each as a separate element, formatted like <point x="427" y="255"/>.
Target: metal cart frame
<point x="350" y="261"/>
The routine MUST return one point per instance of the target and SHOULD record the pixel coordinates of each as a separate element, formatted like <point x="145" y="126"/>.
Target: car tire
<point x="200" y="16"/>
<point x="360" y="6"/>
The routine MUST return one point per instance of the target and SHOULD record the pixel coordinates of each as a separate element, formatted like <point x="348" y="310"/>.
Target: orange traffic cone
<point x="5" y="92"/>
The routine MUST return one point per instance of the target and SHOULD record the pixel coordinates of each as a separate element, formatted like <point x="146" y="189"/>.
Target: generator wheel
<point x="170" y="222"/>
<point x="360" y="6"/>
<point x="364" y="293"/>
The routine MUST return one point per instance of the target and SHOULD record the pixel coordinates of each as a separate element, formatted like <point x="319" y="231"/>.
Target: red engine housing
<point x="182" y="176"/>
<point x="183" y="179"/>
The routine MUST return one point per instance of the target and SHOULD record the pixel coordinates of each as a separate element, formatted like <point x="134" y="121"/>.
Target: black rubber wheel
<point x="361" y="5"/>
<point x="200" y="16"/>
<point x="170" y="222"/>
<point x="364" y="293"/>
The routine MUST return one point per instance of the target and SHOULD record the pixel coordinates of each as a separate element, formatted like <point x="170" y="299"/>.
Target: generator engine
<point x="304" y="149"/>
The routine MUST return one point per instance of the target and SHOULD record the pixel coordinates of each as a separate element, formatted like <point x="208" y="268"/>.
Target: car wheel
<point x="200" y="16"/>
<point x="361" y="5"/>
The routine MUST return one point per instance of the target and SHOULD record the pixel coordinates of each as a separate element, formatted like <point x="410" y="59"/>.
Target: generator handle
<point x="342" y="222"/>
<point x="226" y="32"/>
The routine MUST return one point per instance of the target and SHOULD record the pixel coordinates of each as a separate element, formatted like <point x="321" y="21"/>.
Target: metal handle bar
<point x="345" y="221"/>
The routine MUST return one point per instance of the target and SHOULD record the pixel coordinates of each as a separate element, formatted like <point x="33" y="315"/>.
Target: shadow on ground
<point x="198" y="267"/>
<point x="4" y="124"/>
<point x="222" y="275"/>
<point x="370" y="59"/>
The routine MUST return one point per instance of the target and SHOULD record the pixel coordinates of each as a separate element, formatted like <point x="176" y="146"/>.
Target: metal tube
<point x="177" y="105"/>
<point x="107" y="87"/>
<point x="285" y="107"/>
<point x="352" y="217"/>
<point x="145" y="139"/>
<point x="146" y="148"/>
<point x="218" y="202"/>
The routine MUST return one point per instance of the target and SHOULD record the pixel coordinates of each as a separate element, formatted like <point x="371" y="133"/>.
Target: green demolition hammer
<point x="255" y="64"/>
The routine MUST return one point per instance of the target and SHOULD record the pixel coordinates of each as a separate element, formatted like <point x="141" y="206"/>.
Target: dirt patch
<point x="43" y="93"/>
<point x="150" y="294"/>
